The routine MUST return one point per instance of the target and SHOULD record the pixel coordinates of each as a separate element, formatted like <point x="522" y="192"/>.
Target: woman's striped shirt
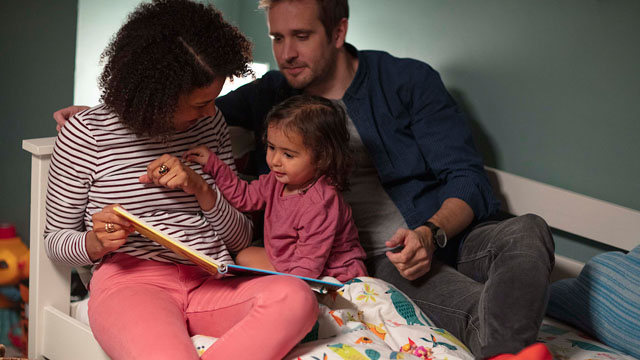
<point x="96" y="162"/>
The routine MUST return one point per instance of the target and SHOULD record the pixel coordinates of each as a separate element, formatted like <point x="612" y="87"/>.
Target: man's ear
<point x="340" y="32"/>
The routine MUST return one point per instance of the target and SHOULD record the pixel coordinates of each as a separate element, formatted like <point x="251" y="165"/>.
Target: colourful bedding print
<point x="370" y="319"/>
<point x="565" y="343"/>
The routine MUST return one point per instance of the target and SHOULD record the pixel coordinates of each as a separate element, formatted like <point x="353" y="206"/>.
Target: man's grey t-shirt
<point x="376" y="216"/>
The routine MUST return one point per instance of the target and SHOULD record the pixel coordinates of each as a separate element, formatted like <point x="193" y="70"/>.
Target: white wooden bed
<point x="54" y="334"/>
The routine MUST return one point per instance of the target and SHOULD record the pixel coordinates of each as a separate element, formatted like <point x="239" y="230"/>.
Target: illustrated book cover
<point x="208" y="263"/>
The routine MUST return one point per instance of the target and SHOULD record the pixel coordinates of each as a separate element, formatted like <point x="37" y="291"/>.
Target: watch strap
<point x="434" y="230"/>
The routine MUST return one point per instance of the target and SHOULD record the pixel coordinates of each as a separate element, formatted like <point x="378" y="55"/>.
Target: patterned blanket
<point x="370" y="319"/>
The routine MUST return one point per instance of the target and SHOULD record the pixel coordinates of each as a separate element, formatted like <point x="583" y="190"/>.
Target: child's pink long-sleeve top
<point x="310" y="234"/>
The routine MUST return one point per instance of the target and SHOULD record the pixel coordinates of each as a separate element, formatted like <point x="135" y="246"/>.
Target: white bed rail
<point x="52" y="332"/>
<point x="568" y="211"/>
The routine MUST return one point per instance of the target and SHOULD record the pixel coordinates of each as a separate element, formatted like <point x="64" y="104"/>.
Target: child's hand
<point x="198" y="155"/>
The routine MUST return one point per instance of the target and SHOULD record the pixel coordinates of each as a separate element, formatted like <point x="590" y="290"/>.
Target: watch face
<point x="441" y="238"/>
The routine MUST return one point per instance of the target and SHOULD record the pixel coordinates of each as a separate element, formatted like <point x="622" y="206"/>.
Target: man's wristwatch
<point x="439" y="236"/>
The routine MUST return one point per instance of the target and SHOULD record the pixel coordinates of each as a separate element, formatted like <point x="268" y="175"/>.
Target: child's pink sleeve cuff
<point x="211" y="163"/>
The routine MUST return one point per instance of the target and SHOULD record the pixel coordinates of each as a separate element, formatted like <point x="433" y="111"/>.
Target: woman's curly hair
<point x="166" y="49"/>
<point x="322" y="125"/>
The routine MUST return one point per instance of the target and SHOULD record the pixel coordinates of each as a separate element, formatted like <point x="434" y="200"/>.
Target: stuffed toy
<point x="14" y="270"/>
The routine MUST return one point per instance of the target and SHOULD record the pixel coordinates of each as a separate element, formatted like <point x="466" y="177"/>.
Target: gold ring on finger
<point x="109" y="227"/>
<point x="163" y="169"/>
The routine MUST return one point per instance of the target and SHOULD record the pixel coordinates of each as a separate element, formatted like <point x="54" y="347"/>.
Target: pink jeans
<point x="141" y="309"/>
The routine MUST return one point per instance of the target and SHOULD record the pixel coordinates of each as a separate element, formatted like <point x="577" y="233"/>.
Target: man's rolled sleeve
<point x="474" y="190"/>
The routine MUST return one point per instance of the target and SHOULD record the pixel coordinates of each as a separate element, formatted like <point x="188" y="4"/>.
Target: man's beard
<point x="314" y="76"/>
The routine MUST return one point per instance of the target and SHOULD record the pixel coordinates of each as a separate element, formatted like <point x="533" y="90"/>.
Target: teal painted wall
<point x="551" y="87"/>
<point x="37" y="48"/>
<point x="252" y="22"/>
<point x="246" y="16"/>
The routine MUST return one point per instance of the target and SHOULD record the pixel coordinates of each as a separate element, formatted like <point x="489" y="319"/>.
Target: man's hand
<point x="61" y="116"/>
<point x="416" y="258"/>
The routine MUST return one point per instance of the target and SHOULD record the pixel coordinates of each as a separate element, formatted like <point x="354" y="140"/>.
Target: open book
<point x="208" y="263"/>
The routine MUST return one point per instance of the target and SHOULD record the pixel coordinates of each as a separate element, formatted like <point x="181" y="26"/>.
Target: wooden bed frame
<point x="55" y="335"/>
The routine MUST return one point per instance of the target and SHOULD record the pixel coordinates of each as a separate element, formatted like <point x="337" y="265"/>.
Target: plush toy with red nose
<point x="14" y="269"/>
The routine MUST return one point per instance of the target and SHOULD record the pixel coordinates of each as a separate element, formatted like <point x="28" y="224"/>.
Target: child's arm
<point x="239" y="193"/>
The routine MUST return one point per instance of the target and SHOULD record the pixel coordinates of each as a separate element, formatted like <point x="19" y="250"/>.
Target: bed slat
<point x="568" y="211"/>
<point x="68" y="338"/>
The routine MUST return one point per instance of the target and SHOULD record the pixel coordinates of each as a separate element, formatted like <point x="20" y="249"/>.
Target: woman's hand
<point x="168" y="171"/>
<point x="110" y="231"/>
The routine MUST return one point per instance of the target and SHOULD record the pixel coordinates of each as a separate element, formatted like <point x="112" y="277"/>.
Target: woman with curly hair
<point x="163" y="70"/>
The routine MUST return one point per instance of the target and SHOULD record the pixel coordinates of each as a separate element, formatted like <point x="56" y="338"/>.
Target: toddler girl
<point x="308" y="229"/>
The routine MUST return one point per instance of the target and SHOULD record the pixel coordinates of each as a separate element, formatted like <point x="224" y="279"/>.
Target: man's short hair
<point x="330" y="12"/>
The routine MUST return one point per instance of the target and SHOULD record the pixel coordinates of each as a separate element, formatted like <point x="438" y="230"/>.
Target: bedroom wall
<point x="37" y="48"/>
<point x="97" y="22"/>
<point x="551" y="87"/>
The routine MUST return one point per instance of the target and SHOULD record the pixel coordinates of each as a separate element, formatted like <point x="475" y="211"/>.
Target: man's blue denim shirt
<point x="417" y="136"/>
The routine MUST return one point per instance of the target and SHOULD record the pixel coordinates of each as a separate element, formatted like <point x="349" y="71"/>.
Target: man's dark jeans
<point x="495" y="298"/>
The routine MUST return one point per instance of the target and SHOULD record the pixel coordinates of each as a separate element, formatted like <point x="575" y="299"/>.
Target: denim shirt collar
<point x="355" y="89"/>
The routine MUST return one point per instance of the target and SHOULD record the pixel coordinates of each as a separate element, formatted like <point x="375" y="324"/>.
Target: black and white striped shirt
<point x="96" y="162"/>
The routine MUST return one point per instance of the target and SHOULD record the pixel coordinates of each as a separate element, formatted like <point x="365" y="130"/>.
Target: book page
<point x="195" y="256"/>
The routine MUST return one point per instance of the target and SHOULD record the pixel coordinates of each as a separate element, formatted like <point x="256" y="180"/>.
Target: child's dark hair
<point x="166" y="49"/>
<point x="323" y="128"/>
